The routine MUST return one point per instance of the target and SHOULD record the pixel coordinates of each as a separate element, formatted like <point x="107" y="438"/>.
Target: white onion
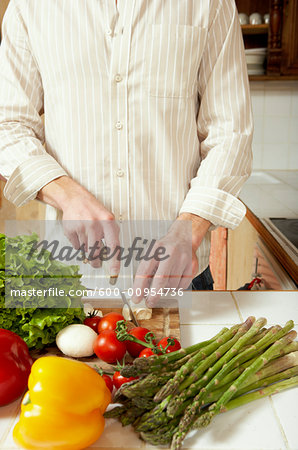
<point x="76" y="340"/>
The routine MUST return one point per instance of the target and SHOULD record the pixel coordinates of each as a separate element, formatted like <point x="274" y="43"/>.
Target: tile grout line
<point x="209" y="324"/>
<point x="284" y="436"/>
<point x="237" y="306"/>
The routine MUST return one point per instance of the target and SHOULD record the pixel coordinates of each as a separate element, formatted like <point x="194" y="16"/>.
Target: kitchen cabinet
<point x="34" y="210"/>
<point x="280" y="37"/>
<point x="240" y="255"/>
<point x="3" y="6"/>
<point x="253" y="252"/>
<point x="218" y="258"/>
<point x="289" y="63"/>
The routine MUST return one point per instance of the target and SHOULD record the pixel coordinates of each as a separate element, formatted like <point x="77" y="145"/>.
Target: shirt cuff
<point x="30" y="176"/>
<point x="219" y="207"/>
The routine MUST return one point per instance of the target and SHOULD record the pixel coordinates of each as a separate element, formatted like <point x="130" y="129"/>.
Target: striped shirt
<point x="146" y="105"/>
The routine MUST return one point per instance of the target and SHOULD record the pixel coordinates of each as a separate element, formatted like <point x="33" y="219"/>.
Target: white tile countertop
<point x="272" y="193"/>
<point x="269" y="423"/>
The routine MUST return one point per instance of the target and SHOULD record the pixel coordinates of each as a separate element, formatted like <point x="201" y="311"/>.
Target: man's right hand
<point x="85" y="220"/>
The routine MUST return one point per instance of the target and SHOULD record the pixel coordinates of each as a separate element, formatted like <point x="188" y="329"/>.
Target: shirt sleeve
<point x="224" y="122"/>
<point x="24" y="161"/>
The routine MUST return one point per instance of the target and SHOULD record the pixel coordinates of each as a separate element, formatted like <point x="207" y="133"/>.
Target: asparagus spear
<point x="215" y="349"/>
<point x="157" y="362"/>
<point x="247" y="398"/>
<point x="195" y="388"/>
<point x="258" y="336"/>
<point x="146" y="386"/>
<point x="204" y="419"/>
<point x="278" y="364"/>
<point x="233" y="350"/>
<point x="119" y="393"/>
<point x="289" y="379"/>
<point x="200" y="399"/>
<point x="223" y="368"/>
<point x="130" y="415"/>
<point x="117" y="411"/>
<point x="154" y="418"/>
<point x="251" y="370"/>
<point x="161" y="435"/>
<point x="255" y="370"/>
<point x="241" y="337"/>
<point x="271" y="336"/>
<point x="143" y="402"/>
<point x="256" y="384"/>
<point x="235" y="403"/>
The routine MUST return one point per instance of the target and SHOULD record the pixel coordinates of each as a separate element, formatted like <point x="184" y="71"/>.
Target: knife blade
<point x="126" y="302"/>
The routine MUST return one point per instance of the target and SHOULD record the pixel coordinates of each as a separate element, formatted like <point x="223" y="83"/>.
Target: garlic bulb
<point x="141" y="313"/>
<point x="88" y="310"/>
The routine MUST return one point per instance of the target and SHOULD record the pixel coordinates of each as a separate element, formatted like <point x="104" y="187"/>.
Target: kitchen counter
<point x="272" y="193"/>
<point x="269" y="195"/>
<point x="269" y="423"/>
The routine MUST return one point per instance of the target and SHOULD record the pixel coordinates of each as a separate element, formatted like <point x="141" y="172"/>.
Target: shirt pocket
<point x="172" y="59"/>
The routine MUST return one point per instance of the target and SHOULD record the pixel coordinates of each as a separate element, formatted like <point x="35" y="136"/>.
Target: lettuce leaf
<point x="36" y="320"/>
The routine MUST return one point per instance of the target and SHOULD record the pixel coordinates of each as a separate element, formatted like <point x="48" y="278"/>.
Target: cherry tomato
<point x="109" y="321"/>
<point x="118" y="379"/>
<point x="146" y="353"/>
<point x="107" y="347"/>
<point x="92" y="322"/>
<point x="134" y="348"/>
<point x="108" y="381"/>
<point x="172" y="348"/>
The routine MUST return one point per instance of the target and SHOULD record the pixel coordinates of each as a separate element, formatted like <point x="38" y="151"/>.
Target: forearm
<point x="199" y="228"/>
<point x="61" y="191"/>
<point x="75" y="202"/>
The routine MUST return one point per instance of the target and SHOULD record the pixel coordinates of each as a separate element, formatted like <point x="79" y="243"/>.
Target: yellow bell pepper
<point x="63" y="409"/>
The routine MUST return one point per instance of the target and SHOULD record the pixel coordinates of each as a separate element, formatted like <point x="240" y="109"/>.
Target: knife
<point x="126" y="302"/>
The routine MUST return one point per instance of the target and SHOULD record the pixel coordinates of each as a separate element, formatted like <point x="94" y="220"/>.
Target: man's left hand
<point x="178" y="269"/>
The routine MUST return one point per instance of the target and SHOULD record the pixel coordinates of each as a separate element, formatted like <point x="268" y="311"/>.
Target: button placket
<point x="119" y="105"/>
<point x="118" y="78"/>
<point x="119" y="136"/>
<point x="118" y="125"/>
<point x="120" y="173"/>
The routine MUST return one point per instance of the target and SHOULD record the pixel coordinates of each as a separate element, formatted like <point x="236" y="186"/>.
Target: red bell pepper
<point x="15" y="366"/>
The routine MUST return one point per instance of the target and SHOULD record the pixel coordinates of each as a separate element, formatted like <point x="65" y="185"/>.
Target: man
<point x="147" y="116"/>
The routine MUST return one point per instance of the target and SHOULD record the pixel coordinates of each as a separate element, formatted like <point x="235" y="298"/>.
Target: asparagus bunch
<point x="185" y="390"/>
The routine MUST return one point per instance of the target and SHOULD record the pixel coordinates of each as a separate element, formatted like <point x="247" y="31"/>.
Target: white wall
<point x="275" y="108"/>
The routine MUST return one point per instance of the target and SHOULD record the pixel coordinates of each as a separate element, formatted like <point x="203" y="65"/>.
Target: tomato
<point x="118" y="379"/>
<point x="107" y="347"/>
<point x="92" y="322"/>
<point x="146" y="353"/>
<point x="109" y="321"/>
<point x="134" y="348"/>
<point x="108" y="381"/>
<point x="172" y="348"/>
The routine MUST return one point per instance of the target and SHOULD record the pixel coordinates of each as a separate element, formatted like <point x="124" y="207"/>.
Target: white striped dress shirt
<point x="146" y="105"/>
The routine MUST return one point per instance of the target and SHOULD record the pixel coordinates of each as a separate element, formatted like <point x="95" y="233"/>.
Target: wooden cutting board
<point x="164" y="322"/>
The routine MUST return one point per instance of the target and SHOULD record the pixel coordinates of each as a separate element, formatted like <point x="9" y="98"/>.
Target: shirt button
<point x="118" y="78"/>
<point x="120" y="218"/>
<point x="109" y="32"/>
<point x="119" y="125"/>
<point x="120" y="173"/>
